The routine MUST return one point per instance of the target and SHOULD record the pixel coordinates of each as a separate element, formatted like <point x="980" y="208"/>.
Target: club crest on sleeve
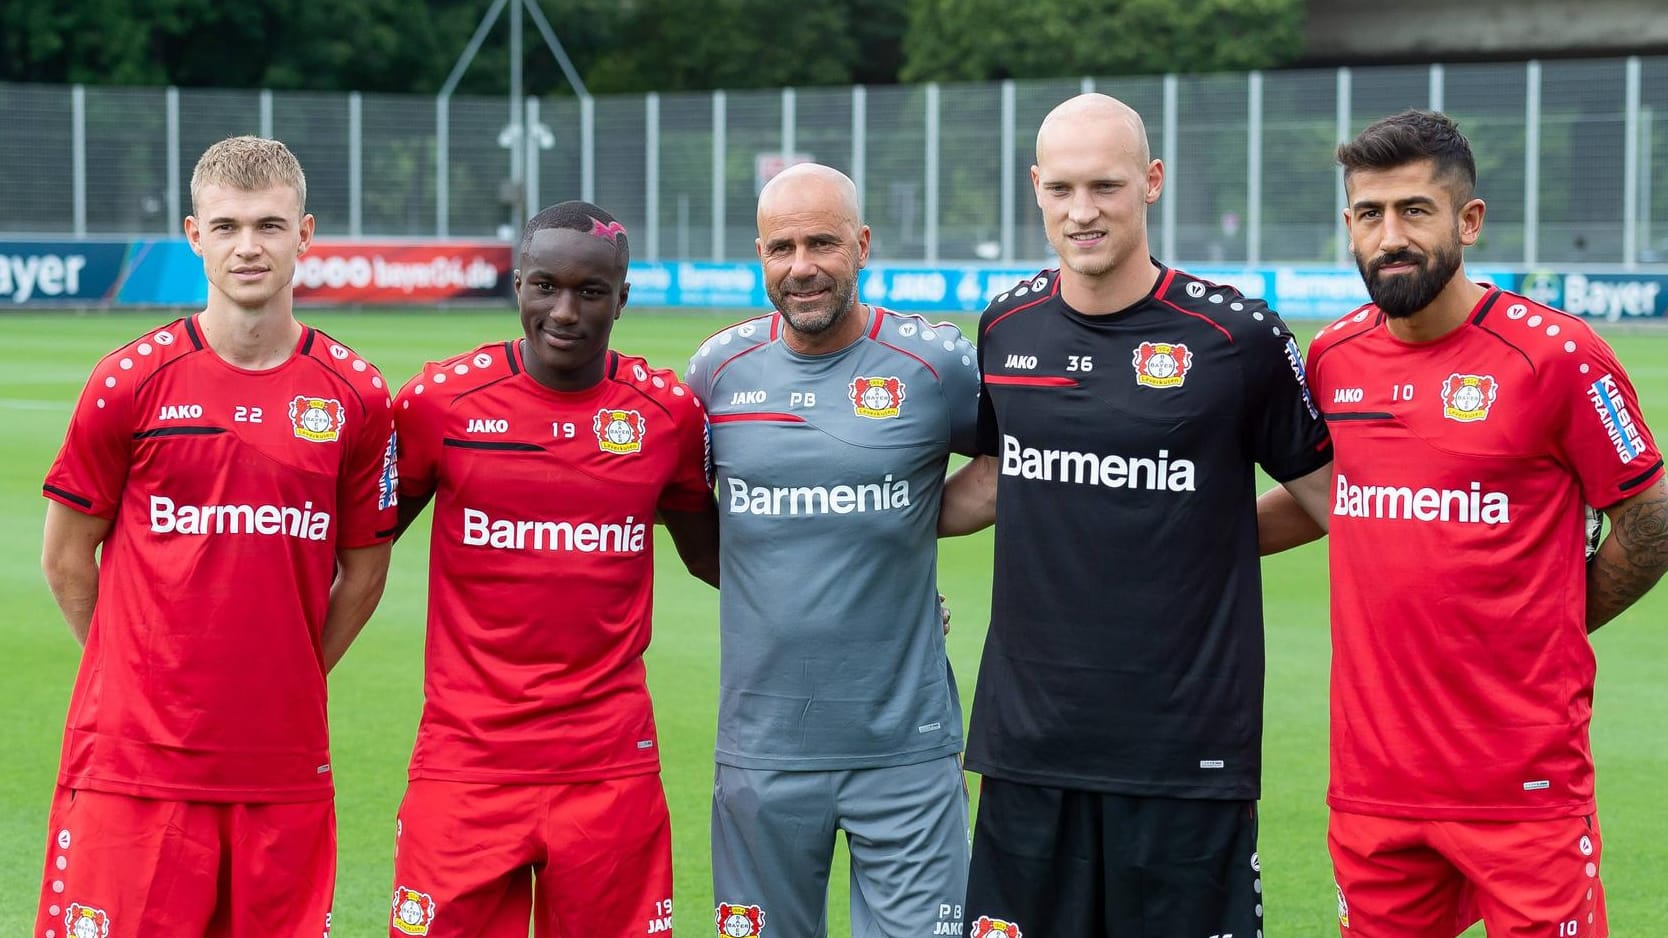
<point x="413" y="911"/>
<point x="877" y="398"/>
<point x="986" y="927"/>
<point x="619" y="431"/>
<point x="85" y="921"/>
<point x="739" y="921"/>
<point x="317" y="419"/>
<point x="1162" y="364"/>
<point x="1467" y="398"/>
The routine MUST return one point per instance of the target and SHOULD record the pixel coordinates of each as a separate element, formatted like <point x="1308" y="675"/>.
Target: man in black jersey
<point x="1118" y="716"/>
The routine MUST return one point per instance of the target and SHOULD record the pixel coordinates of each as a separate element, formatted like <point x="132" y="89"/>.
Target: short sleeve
<point x="369" y="487"/>
<point x="698" y="375"/>
<point x="91" y="469"/>
<point x="959" y="379"/>
<point x="691" y="485"/>
<point x="1603" y="436"/>
<point x="1288" y="436"/>
<point x="417" y="425"/>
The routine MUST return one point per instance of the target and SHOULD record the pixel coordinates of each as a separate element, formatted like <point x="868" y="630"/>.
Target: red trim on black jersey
<point x="1165" y="281"/>
<point x="1200" y="316"/>
<point x="761" y="415"/>
<point x="1033" y="381"/>
<point x="1054" y="290"/>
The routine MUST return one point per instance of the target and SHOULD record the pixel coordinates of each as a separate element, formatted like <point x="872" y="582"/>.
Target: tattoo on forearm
<point x="1629" y="562"/>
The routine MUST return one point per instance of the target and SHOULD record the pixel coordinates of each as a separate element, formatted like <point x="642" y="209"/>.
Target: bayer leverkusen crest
<point x="739" y="921"/>
<point x="413" y="911"/>
<point x="986" y="927"/>
<point x="84" y="921"/>
<point x="1162" y="364"/>
<point x="619" y="431"/>
<point x="1467" y="398"/>
<point x="318" y="419"/>
<point x="877" y="398"/>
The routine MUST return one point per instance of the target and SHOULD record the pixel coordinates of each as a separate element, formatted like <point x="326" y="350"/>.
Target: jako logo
<point x="1401" y="503"/>
<point x="487" y="425"/>
<point x="303" y="522"/>
<point x="1026" y="362"/>
<point x="1127" y="472"/>
<point x="1348" y="396"/>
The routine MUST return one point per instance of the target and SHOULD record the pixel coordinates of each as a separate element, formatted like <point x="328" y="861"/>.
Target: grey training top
<point x="829" y="470"/>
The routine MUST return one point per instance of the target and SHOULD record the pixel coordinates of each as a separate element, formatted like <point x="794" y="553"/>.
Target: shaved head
<point x="1075" y="115"/>
<point x="809" y="185"/>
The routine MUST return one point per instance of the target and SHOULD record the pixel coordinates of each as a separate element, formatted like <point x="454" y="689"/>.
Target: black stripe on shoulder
<point x="86" y="503"/>
<point x="1642" y="477"/>
<point x="178" y="431"/>
<point x="308" y="333"/>
<point x="505" y="446"/>
<point x="191" y="333"/>
<point x="1359" y="415"/>
<point x="613" y="363"/>
<point x="1488" y="305"/>
<point x="509" y="356"/>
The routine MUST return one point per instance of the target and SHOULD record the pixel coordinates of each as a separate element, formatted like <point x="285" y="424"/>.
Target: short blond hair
<point x="250" y="164"/>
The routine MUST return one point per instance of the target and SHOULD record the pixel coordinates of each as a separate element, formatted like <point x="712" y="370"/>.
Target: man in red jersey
<point x="217" y="535"/>
<point x="1470" y="427"/>
<point x="534" y="784"/>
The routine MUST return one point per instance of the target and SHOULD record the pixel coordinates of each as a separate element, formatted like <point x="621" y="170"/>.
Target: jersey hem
<point x="1143" y="788"/>
<point x="219" y="795"/>
<point x="533" y="777"/>
<point x="821" y="763"/>
<point x="1463" y="812"/>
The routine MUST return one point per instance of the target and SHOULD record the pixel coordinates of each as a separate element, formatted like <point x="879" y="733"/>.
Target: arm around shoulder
<point x="969" y="498"/>
<point x="1631" y="558"/>
<point x="69" y="560"/>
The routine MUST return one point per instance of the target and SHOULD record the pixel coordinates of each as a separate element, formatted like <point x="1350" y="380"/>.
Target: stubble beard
<point x="817" y="318"/>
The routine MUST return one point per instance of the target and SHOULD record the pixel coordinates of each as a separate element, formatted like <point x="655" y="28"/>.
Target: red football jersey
<point x="230" y="492"/>
<point x="1462" y="676"/>
<point x="541" y="561"/>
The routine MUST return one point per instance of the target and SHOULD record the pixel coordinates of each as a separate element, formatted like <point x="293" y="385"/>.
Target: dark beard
<point x="1403" y="295"/>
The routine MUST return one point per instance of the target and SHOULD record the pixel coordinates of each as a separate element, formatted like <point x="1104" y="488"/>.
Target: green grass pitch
<point x="376" y="692"/>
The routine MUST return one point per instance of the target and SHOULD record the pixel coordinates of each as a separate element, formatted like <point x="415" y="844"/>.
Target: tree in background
<point x="977" y="40"/>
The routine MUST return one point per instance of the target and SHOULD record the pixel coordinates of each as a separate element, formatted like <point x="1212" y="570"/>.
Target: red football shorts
<point x="117" y="865"/>
<point x="1402" y="878"/>
<point x="480" y="860"/>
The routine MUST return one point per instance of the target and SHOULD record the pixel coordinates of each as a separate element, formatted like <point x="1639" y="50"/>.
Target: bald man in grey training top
<point x="832" y="422"/>
<point x="1117" y="722"/>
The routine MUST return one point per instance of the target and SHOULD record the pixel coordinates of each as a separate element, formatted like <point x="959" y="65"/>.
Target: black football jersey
<point x="1125" y="651"/>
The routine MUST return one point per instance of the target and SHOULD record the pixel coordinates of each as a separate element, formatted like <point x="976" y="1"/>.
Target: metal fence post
<point x="859" y="139"/>
<point x="442" y="164"/>
<point x="534" y="134"/>
<point x="651" y="175"/>
<point x="1167" y="205"/>
<point x="78" y="158"/>
<point x="588" y="148"/>
<point x="356" y="165"/>
<point x="173" y="158"/>
<point x="266" y="113"/>
<point x="1437" y="82"/>
<point x="1630" y="168"/>
<point x="931" y="235"/>
<point x="790" y="120"/>
<point x="1340" y="231"/>
<point x="1531" y="163"/>
<point x="1254" y="168"/>
<point x="720" y="119"/>
<point x="1008" y="171"/>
